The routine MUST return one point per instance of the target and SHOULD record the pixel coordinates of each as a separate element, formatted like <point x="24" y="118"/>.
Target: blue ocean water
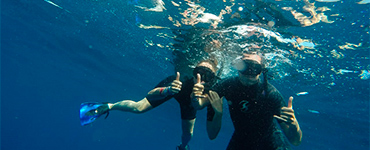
<point x="54" y="58"/>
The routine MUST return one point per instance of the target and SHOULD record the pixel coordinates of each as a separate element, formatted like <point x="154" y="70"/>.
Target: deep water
<point x="54" y="59"/>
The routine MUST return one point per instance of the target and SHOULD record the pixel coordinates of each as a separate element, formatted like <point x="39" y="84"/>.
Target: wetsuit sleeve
<point x="210" y="113"/>
<point x="164" y="83"/>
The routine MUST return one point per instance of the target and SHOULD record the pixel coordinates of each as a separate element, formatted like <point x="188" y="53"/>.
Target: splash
<point x="316" y="14"/>
<point x="328" y="1"/>
<point x="227" y="44"/>
<point x="159" y="6"/>
<point x="350" y="46"/>
<point x="223" y="32"/>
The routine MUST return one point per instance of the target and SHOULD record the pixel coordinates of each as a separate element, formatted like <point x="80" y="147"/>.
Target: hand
<point x="216" y="101"/>
<point x="287" y="113"/>
<point x="175" y="86"/>
<point x="289" y="124"/>
<point x="198" y="89"/>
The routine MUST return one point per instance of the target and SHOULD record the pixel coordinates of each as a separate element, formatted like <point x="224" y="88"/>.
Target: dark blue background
<point x="53" y="60"/>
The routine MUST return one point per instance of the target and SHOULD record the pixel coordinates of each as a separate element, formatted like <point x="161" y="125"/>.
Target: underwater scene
<point x="59" y="54"/>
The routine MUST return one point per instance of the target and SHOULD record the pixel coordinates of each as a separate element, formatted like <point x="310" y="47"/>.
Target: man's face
<point x="249" y="75"/>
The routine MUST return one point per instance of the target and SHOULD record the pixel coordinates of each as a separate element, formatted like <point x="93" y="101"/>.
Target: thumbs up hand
<point x="175" y="86"/>
<point x="287" y="113"/>
<point x="289" y="123"/>
<point x="198" y="89"/>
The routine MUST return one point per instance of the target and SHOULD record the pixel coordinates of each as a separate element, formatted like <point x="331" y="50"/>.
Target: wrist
<point x="165" y="91"/>
<point x="194" y="98"/>
<point x="296" y="125"/>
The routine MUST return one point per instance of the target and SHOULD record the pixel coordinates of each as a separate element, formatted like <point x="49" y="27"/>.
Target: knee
<point x="137" y="109"/>
<point x="132" y="106"/>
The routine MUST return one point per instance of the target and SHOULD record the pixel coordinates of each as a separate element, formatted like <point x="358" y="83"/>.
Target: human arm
<point x="162" y="92"/>
<point x="214" y="115"/>
<point x="289" y="124"/>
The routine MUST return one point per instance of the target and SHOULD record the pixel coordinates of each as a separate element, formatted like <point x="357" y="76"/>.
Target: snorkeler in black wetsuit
<point x="253" y="105"/>
<point x="205" y="73"/>
<point x="193" y="90"/>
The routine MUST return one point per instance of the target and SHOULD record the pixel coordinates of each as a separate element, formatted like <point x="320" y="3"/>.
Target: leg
<point x="131" y="106"/>
<point x="187" y="132"/>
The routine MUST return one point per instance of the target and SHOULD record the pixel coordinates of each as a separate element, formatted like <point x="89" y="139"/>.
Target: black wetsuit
<point x="252" y="109"/>
<point x="188" y="112"/>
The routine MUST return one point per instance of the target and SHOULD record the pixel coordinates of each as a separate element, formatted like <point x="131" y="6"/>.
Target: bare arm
<point x="289" y="124"/>
<point x="214" y="122"/>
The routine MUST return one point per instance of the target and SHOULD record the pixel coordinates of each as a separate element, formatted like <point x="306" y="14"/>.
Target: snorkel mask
<point x="247" y="67"/>
<point x="207" y="75"/>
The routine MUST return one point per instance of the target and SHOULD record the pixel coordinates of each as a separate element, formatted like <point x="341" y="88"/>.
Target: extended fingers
<point x="175" y="89"/>
<point x="198" y="91"/>
<point x="198" y="88"/>
<point x="176" y="86"/>
<point x="287" y="114"/>
<point x="176" y="83"/>
<point x="285" y="119"/>
<point x="286" y="109"/>
<point x="280" y="118"/>
<point x="213" y="96"/>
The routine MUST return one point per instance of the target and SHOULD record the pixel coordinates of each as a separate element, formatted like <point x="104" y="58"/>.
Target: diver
<point x="257" y="108"/>
<point x="188" y="94"/>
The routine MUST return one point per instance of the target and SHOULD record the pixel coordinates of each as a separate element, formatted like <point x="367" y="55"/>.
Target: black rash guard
<point x="252" y="109"/>
<point x="188" y="112"/>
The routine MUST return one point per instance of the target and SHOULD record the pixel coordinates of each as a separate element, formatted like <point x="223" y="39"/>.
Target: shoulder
<point x="228" y="81"/>
<point x="271" y="88"/>
<point x="225" y="85"/>
<point x="275" y="94"/>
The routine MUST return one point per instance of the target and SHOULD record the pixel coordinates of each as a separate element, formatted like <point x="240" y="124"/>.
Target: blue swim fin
<point x="90" y="111"/>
